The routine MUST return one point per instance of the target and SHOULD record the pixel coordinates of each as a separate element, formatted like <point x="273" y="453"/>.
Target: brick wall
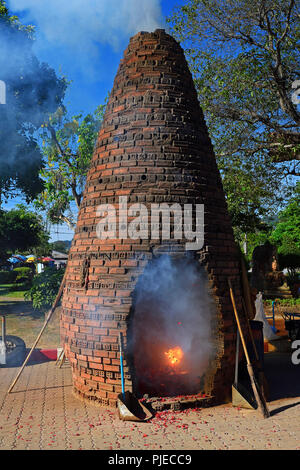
<point x="153" y="147"/>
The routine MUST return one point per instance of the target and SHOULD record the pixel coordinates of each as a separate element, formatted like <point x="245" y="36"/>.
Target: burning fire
<point x="174" y="355"/>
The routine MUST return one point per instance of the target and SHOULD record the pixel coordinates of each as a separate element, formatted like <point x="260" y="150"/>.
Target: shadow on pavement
<point x="283" y="408"/>
<point x="282" y="375"/>
<point x="18" y="307"/>
<point x="37" y="357"/>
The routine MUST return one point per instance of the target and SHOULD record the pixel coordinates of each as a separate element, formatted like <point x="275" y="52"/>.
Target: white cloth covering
<point x="261" y="316"/>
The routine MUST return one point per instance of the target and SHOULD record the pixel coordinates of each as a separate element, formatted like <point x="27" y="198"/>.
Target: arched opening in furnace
<point x="169" y="339"/>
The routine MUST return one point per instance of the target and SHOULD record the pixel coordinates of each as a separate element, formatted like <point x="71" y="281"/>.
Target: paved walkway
<point x="43" y="413"/>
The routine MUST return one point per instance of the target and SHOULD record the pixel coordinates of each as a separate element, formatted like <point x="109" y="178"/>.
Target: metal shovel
<point x="129" y="407"/>
<point x="240" y="395"/>
<point x="259" y="398"/>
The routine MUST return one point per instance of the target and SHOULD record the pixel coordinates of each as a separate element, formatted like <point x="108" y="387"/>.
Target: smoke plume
<point x="79" y="27"/>
<point x="173" y="308"/>
<point x="32" y="90"/>
<point x="73" y="31"/>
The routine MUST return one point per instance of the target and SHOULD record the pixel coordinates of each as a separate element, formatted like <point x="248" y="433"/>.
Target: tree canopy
<point x="21" y="230"/>
<point x="245" y="62"/>
<point x="62" y="246"/>
<point x="68" y="144"/>
<point x="286" y="234"/>
<point x="283" y="232"/>
<point x="33" y="90"/>
<point x="44" y="288"/>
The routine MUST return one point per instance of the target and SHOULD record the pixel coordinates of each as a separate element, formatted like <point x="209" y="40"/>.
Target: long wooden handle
<point x="50" y="313"/>
<point x="237" y="352"/>
<point x="121" y="365"/>
<point x="261" y="375"/>
<point x="256" y="390"/>
<point x="238" y="322"/>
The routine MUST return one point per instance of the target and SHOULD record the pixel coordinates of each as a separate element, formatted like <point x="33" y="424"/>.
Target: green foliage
<point x="23" y="274"/>
<point x="44" y="288"/>
<point x="287" y="232"/>
<point x="68" y="145"/>
<point x="293" y="277"/>
<point x="283" y="302"/>
<point x="13" y="20"/>
<point x="244" y="58"/>
<point x="32" y="91"/>
<point x="62" y="246"/>
<point x="290" y="262"/>
<point x="247" y="199"/>
<point x="21" y="230"/>
<point x="286" y="235"/>
<point x="284" y="232"/>
<point x="14" y="290"/>
<point x="256" y="238"/>
<point x="7" y="277"/>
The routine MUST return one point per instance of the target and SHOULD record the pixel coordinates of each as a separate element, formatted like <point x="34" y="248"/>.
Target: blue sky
<point x="85" y="41"/>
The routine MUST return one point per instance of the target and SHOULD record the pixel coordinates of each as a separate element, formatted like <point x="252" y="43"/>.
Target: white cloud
<point x="81" y="24"/>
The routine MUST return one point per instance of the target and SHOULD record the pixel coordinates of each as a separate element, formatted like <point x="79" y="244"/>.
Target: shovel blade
<point x="242" y="398"/>
<point x="130" y="409"/>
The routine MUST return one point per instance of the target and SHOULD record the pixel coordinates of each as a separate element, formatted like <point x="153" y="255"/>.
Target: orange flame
<point x="174" y="355"/>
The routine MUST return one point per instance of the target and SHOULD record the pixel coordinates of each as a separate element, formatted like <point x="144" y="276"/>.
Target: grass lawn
<point x="13" y="290"/>
<point x="24" y="321"/>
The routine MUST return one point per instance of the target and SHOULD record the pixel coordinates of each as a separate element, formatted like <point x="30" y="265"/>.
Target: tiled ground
<point x="42" y="413"/>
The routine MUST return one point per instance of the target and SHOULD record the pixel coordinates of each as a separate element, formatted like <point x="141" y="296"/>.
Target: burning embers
<point x="174" y="355"/>
<point x="170" y="331"/>
<point x="166" y="374"/>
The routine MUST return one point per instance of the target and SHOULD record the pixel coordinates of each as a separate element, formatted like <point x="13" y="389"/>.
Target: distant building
<point x="60" y="259"/>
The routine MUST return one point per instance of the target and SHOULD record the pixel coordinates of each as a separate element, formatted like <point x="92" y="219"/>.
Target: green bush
<point x="289" y="261"/>
<point x="44" y="288"/>
<point x="284" y="302"/>
<point x="23" y="274"/>
<point x="7" y="277"/>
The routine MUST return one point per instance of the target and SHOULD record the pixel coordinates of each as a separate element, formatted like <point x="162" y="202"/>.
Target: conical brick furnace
<point x="133" y="266"/>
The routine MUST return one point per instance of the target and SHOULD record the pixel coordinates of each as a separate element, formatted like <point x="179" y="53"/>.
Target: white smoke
<point x="173" y="308"/>
<point x="80" y="25"/>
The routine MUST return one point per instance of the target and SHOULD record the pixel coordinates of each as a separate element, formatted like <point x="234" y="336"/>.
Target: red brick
<point x="153" y="146"/>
